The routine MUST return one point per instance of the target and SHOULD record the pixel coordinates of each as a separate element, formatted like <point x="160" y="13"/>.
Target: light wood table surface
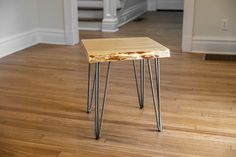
<point x="116" y="49"/>
<point x="119" y="49"/>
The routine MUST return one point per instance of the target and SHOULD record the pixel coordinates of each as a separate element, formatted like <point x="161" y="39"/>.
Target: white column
<point x="71" y="22"/>
<point x="152" y="5"/>
<point x="110" y="20"/>
<point x="188" y="24"/>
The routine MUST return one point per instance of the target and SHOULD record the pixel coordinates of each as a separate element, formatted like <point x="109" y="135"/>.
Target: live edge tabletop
<point x="117" y="49"/>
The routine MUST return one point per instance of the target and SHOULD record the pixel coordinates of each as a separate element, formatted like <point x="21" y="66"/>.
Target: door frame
<point x="188" y="22"/>
<point x="71" y="24"/>
<point x="72" y="31"/>
<point x="188" y="25"/>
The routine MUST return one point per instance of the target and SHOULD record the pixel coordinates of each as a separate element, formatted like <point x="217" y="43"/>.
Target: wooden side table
<point x="118" y="49"/>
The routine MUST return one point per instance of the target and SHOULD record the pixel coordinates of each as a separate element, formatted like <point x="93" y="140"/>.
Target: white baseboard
<point x="52" y="36"/>
<point x="18" y="42"/>
<point x="110" y="25"/>
<point x="27" y="39"/>
<point x="214" y="44"/>
<point x="132" y="13"/>
<point x="214" y="52"/>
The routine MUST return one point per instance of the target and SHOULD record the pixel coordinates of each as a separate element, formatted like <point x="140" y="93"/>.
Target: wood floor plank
<point x="43" y="101"/>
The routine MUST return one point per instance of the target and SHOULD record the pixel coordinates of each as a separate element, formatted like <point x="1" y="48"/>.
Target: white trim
<point x="68" y="36"/>
<point x="214" y="38"/>
<point x="188" y="25"/>
<point x="110" y="25"/>
<point x="52" y="36"/>
<point x="151" y="5"/>
<point x="132" y="13"/>
<point x="214" y="44"/>
<point x="110" y="20"/>
<point x="27" y="39"/>
<point x="71" y="22"/>
<point x="214" y="52"/>
<point x="18" y="42"/>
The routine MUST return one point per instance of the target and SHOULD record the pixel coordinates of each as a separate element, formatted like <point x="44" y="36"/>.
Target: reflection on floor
<point x="43" y="101"/>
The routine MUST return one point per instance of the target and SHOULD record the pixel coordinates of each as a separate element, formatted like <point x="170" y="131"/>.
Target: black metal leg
<point x="136" y="81"/>
<point x="89" y="95"/>
<point x="96" y="90"/>
<point x="97" y="95"/>
<point x="158" y="83"/>
<point x="157" y="107"/>
<point x="105" y="94"/>
<point x="140" y="91"/>
<point x="141" y="85"/>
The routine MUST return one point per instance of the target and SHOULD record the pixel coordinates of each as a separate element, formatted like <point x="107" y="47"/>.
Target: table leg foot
<point x="156" y="103"/>
<point x="141" y="85"/>
<point x="99" y="117"/>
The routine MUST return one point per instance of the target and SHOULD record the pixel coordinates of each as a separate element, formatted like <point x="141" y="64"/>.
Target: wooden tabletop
<point x="117" y="49"/>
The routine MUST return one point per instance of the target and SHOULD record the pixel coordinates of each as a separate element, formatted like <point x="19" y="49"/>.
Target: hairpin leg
<point x="89" y="95"/>
<point x="141" y="85"/>
<point x="99" y="118"/>
<point x="158" y="83"/>
<point x="157" y="108"/>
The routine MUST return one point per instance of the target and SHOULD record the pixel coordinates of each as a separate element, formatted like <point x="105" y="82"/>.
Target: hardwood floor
<point x="43" y="102"/>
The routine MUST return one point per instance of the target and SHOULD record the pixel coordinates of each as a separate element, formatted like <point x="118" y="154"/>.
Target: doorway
<point x="71" y="20"/>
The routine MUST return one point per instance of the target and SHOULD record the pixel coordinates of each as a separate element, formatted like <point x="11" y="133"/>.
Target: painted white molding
<point x="203" y="44"/>
<point x="71" y="22"/>
<point x="27" y="39"/>
<point x="214" y="44"/>
<point x="132" y="13"/>
<point x="188" y="25"/>
<point x="68" y="36"/>
<point x="214" y="52"/>
<point x="18" y="42"/>
<point x="151" y="5"/>
<point x="110" y="20"/>
<point x="51" y="36"/>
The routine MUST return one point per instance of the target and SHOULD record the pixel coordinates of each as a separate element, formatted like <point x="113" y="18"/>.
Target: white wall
<point x="208" y="16"/>
<point x="151" y="5"/>
<point x="51" y="21"/>
<point x="132" y="9"/>
<point x="17" y="16"/>
<point x="18" y="24"/>
<point x="207" y="32"/>
<point x="28" y="22"/>
<point x="50" y="14"/>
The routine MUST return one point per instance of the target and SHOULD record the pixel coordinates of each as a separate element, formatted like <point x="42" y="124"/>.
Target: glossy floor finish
<point x="43" y="102"/>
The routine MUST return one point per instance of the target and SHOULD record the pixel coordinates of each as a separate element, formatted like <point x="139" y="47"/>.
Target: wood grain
<point x="120" y="49"/>
<point x="43" y="102"/>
